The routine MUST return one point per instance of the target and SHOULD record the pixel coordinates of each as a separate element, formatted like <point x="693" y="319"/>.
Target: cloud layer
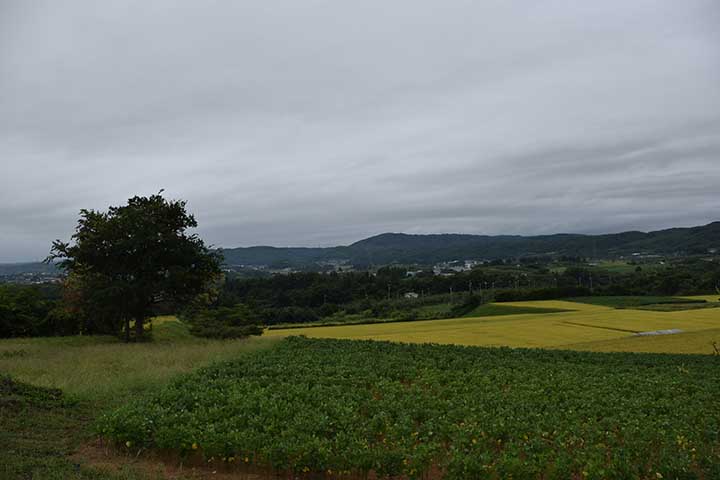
<point x="322" y="122"/>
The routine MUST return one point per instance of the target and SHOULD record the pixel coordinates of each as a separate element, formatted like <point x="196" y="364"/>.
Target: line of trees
<point x="309" y="297"/>
<point x="129" y="263"/>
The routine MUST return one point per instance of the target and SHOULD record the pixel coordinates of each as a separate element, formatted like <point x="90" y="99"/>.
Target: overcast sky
<point x="322" y="122"/>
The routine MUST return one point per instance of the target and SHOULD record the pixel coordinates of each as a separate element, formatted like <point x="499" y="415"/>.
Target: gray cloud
<point x="322" y="122"/>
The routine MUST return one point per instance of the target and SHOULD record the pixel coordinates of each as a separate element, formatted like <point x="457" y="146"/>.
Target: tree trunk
<point x="127" y="330"/>
<point x="139" y="327"/>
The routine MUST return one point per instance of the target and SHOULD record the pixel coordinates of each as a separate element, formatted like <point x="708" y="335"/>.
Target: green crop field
<point x="45" y="433"/>
<point x="562" y="324"/>
<point x="348" y="409"/>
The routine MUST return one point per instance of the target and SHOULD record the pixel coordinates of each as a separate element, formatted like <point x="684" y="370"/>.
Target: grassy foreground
<point x="349" y="409"/>
<point x="40" y="431"/>
<point x="98" y="369"/>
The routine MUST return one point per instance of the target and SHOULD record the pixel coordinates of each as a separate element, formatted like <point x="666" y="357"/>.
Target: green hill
<point x="390" y="248"/>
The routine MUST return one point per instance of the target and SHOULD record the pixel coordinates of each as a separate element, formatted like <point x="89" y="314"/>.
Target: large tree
<point x="124" y="262"/>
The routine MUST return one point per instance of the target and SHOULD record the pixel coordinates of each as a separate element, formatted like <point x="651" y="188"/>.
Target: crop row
<point x="349" y="408"/>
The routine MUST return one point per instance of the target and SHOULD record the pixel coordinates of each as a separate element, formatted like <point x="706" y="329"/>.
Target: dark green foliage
<point x="309" y="297"/>
<point x="540" y="294"/>
<point x="496" y="310"/>
<point x="630" y="302"/>
<point x="29" y="311"/>
<point x="466" y="412"/>
<point x="224" y="322"/>
<point x="126" y="261"/>
<point x="469" y="303"/>
<point x="275" y="316"/>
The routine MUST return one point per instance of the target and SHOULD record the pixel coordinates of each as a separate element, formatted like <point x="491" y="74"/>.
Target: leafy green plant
<point x="319" y="406"/>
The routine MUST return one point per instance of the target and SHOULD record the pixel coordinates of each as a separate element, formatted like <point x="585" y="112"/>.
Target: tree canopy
<point x="126" y="261"/>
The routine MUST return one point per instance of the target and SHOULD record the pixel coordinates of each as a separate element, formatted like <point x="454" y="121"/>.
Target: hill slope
<point x="426" y="249"/>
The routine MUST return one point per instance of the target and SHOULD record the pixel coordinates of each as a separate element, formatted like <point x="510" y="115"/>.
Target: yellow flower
<point x="194" y="446"/>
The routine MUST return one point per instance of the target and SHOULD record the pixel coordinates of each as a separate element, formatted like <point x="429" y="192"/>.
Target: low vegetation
<point x="223" y="322"/>
<point x="97" y="369"/>
<point x="495" y="309"/>
<point x="635" y="301"/>
<point x="344" y="408"/>
<point x="43" y="429"/>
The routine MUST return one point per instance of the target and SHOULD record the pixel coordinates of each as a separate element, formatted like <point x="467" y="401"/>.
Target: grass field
<point x="577" y="326"/>
<point x="96" y="368"/>
<point x="94" y="373"/>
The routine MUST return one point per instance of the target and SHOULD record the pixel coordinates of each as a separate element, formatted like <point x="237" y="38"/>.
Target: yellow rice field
<point x="586" y="327"/>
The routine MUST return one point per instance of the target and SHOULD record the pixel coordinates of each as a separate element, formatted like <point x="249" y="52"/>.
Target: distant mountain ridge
<point x="390" y="248"/>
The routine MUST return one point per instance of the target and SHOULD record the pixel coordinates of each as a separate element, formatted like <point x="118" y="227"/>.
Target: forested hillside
<point x="427" y="249"/>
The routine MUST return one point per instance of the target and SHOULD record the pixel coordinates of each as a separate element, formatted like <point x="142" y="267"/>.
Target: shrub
<point x="25" y="312"/>
<point x="225" y="322"/>
<point x="542" y="294"/>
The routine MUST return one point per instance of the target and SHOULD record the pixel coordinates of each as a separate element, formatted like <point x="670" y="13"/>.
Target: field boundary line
<point x="603" y="328"/>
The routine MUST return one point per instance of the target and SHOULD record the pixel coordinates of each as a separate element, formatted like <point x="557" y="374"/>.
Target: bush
<point x="225" y="322"/>
<point x="275" y="316"/>
<point x="328" y="309"/>
<point x="470" y="303"/>
<point x="542" y="294"/>
<point x="26" y="312"/>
